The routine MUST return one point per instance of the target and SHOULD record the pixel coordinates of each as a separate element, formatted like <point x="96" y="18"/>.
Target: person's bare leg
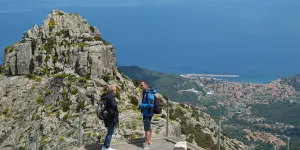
<point x="148" y="137"/>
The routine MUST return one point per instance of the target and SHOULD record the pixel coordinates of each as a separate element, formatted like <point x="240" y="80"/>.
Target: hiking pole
<point x="167" y="130"/>
<point x="37" y="138"/>
<point x="219" y="138"/>
<point x="288" y="143"/>
<point x="79" y="126"/>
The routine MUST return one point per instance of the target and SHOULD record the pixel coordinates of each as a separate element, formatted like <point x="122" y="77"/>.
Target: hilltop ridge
<point x="64" y="42"/>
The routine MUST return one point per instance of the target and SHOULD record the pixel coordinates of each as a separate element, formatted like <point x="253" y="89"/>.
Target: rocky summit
<point x="52" y="80"/>
<point x="65" y="42"/>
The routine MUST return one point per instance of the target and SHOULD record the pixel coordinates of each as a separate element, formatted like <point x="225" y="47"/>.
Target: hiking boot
<point x="146" y="147"/>
<point x="103" y="148"/>
<point x="149" y="145"/>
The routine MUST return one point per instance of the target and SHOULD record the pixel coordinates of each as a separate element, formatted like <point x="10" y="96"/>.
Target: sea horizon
<point x="244" y="76"/>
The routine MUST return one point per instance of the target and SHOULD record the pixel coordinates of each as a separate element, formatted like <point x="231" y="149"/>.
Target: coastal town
<point x="239" y="98"/>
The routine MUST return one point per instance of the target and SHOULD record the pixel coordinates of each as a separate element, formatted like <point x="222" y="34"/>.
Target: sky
<point x="10" y="6"/>
<point x="245" y="37"/>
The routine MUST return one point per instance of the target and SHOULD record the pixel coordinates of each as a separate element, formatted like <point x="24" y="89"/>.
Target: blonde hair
<point x="111" y="87"/>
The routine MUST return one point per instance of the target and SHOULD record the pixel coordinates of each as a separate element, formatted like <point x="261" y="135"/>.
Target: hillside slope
<point x="63" y="67"/>
<point x="266" y="114"/>
<point x="168" y="85"/>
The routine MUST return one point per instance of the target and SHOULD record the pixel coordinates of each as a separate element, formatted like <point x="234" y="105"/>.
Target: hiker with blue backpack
<point x="149" y="106"/>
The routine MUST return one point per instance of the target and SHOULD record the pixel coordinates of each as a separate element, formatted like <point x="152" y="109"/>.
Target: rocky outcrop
<point x="63" y="41"/>
<point x="53" y="106"/>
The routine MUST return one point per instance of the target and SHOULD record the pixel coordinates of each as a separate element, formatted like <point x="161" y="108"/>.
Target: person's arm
<point x="111" y="102"/>
<point x="150" y="100"/>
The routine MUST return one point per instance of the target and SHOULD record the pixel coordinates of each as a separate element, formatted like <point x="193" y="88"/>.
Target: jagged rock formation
<point x="64" y="41"/>
<point x="67" y="66"/>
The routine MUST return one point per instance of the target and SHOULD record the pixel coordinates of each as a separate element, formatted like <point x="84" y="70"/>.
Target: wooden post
<point x="167" y="127"/>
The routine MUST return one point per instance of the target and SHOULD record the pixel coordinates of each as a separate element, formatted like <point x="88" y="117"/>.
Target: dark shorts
<point x="147" y="123"/>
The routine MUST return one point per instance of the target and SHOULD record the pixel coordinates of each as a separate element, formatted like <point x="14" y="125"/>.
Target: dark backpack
<point x="102" y="112"/>
<point x="157" y="105"/>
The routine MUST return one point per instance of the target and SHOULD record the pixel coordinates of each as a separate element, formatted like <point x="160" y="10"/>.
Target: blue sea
<point x="258" y="40"/>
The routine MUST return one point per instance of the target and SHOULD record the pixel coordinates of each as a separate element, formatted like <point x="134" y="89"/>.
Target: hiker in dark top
<point x="113" y="119"/>
<point x="146" y="107"/>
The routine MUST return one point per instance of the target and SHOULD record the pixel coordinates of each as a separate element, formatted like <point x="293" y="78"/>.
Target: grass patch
<point x="74" y="91"/>
<point x="61" y="139"/>
<point x="61" y="76"/>
<point x="5" y="111"/>
<point x="40" y="100"/>
<point x="43" y="142"/>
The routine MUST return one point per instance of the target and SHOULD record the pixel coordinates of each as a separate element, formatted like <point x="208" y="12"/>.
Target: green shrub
<point x="51" y="24"/>
<point x="67" y="44"/>
<point x="60" y="13"/>
<point x="55" y="59"/>
<point x="80" y="104"/>
<point x="61" y="139"/>
<point x="85" y="22"/>
<point x="72" y="78"/>
<point x="40" y="100"/>
<point x="134" y="100"/>
<point x="61" y="76"/>
<point x="47" y="58"/>
<point x="2" y="69"/>
<point x="39" y="58"/>
<point x="92" y="28"/>
<point x="118" y="96"/>
<point x="5" y="112"/>
<point x="58" y="33"/>
<point x="82" y="80"/>
<point x="43" y="142"/>
<point x="6" y="49"/>
<point x="133" y="136"/>
<point x="65" y="117"/>
<point x="74" y="92"/>
<point x="37" y="117"/>
<point x="49" y="92"/>
<point x="190" y="138"/>
<point x="66" y="103"/>
<point x="37" y="79"/>
<point x="11" y="49"/>
<point x="81" y="45"/>
<point x="65" y="93"/>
